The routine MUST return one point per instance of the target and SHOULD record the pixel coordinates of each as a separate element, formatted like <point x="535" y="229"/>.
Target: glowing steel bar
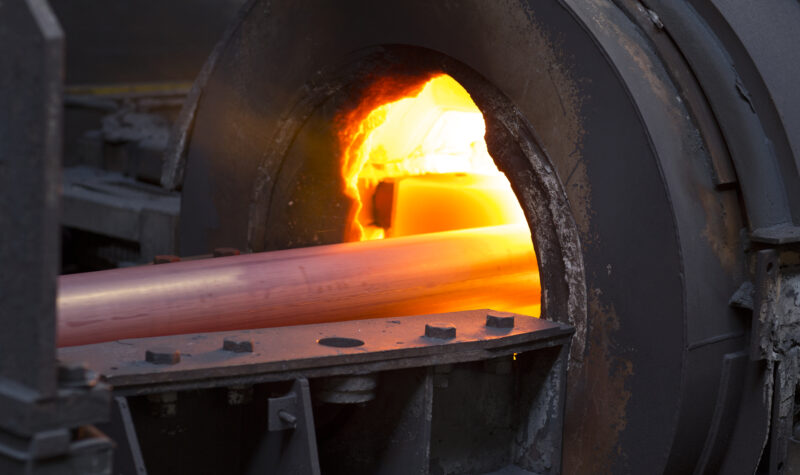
<point x="493" y="267"/>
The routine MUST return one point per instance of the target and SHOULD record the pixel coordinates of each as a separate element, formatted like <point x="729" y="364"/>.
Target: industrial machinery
<point x="354" y="236"/>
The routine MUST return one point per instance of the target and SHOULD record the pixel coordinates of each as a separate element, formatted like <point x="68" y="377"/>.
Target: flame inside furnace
<point x="414" y="161"/>
<point x="419" y="164"/>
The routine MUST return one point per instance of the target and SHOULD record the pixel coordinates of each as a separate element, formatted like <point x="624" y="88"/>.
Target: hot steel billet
<point x="492" y="267"/>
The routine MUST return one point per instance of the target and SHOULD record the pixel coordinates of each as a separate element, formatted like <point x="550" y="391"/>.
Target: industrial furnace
<point x="503" y="237"/>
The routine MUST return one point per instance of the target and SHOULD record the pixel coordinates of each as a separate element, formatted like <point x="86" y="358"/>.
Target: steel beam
<point x="31" y="58"/>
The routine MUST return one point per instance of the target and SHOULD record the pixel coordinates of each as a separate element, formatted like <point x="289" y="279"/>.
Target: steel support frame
<point x="44" y="409"/>
<point x="385" y="397"/>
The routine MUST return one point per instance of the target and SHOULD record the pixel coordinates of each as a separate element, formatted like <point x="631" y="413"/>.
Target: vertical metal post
<point x="43" y="427"/>
<point x="31" y="66"/>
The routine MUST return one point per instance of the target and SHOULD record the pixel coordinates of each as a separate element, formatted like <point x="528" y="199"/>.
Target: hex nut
<point x="237" y="346"/>
<point x="499" y="321"/>
<point x="162" y="356"/>
<point x="442" y="331"/>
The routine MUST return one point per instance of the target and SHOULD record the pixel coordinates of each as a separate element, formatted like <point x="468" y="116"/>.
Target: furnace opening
<point x="415" y="161"/>
<point x="419" y="164"/>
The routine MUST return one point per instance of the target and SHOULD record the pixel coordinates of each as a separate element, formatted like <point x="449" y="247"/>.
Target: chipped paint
<point x="603" y="416"/>
<point x="721" y="229"/>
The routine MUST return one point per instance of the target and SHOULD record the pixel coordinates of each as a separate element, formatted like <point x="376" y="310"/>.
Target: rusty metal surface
<point x="775" y="339"/>
<point x="278" y="352"/>
<point x="776" y="307"/>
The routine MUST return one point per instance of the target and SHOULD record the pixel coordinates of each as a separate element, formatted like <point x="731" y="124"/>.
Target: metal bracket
<point x="388" y="402"/>
<point x="282" y="412"/>
<point x="290" y="443"/>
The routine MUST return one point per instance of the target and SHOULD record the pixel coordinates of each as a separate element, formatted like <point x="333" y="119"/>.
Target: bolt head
<point x="498" y="320"/>
<point x="442" y="331"/>
<point x="237" y="346"/>
<point x="162" y="356"/>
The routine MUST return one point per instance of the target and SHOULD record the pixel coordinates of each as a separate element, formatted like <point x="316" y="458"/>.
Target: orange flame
<point x="421" y="129"/>
<point x="418" y="145"/>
